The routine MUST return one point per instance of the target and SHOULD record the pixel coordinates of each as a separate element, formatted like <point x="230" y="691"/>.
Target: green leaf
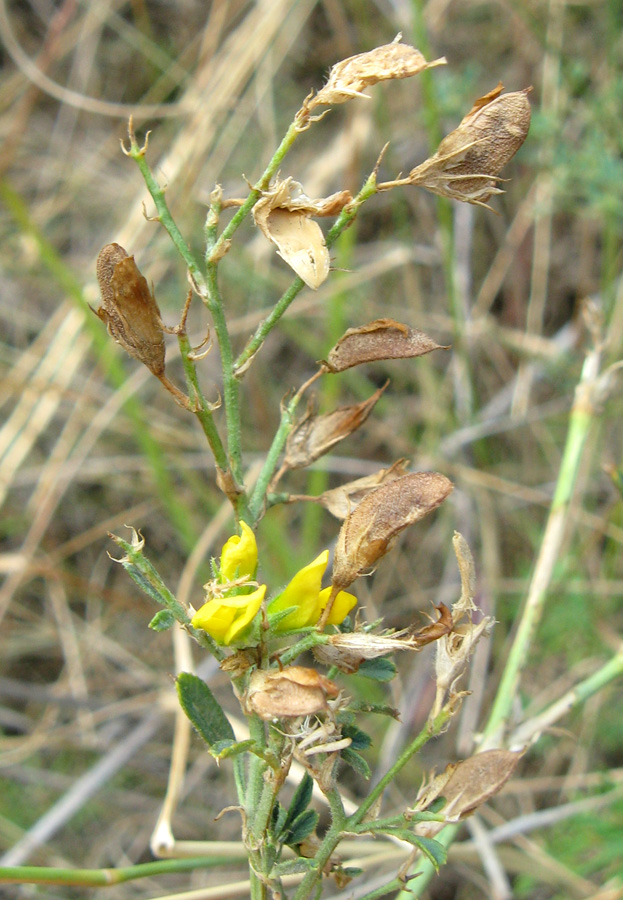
<point x="351" y="871"/>
<point x="435" y="851"/>
<point x="356" y="762"/>
<point x="380" y="669"/>
<point x="302" y="827"/>
<point x="300" y="800"/>
<point x="377" y="708"/>
<point x="162" y="620"/>
<point x="275" y="618"/>
<point x="293" y="867"/>
<point x="203" y="710"/>
<point x="360" y="740"/>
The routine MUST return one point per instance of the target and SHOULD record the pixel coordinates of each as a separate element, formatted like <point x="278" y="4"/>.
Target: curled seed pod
<point x="468" y="161"/>
<point x="369" y="532"/>
<point x="314" y="435"/>
<point x="129" y="308"/>
<point x="381" y="339"/>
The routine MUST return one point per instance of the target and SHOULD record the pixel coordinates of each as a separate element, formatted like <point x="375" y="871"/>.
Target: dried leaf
<point x="341" y="501"/>
<point x="382" y="339"/>
<point x="314" y="435"/>
<point x="349" y="77"/>
<point x="283" y="215"/>
<point x="129" y="308"/>
<point x="469" y="159"/>
<point x="293" y="691"/>
<point x="370" y="530"/>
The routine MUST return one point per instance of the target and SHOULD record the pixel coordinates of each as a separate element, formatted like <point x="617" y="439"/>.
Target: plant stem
<point x="107" y="877"/>
<point x="578" y="694"/>
<point x="580" y="421"/>
<point x="302" y="646"/>
<point x="202" y="408"/>
<point x="430" y="730"/>
<point x="164" y="214"/>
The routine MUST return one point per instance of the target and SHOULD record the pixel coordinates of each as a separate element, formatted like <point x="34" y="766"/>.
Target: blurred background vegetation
<point x="88" y="442"/>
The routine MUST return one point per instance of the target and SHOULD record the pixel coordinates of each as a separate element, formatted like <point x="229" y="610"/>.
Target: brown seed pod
<point x="369" y="532"/>
<point x="381" y="339"/>
<point x="469" y="159"/>
<point x="314" y="435"/>
<point x="342" y="500"/>
<point x="129" y="308"/>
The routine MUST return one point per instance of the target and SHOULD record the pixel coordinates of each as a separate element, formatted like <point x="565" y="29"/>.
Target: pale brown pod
<point x="129" y="308"/>
<point x="369" y="532"/>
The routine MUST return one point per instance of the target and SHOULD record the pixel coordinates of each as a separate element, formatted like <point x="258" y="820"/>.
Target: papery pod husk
<point x="368" y="533"/>
<point x="341" y="501"/>
<point x="129" y="308"/>
<point x="349" y="77"/>
<point x="283" y="215"/>
<point x="314" y="435"/>
<point x="291" y="692"/>
<point x="347" y="651"/>
<point x="485" y="141"/>
<point x="466" y="785"/>
<point x="381" y="339"/>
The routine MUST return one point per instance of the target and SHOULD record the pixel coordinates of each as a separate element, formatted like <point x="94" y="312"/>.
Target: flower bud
<point x="129" y="308"/>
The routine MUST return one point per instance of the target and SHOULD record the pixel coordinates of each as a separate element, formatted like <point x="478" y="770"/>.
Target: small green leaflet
<point x="203" y="710"/>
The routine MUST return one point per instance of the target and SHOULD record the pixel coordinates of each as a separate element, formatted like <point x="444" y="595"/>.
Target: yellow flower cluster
<point x="227" y="618"/>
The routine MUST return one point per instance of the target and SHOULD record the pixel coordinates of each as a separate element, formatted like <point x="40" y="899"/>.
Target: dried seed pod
<point x="129" y="308"/>
<point x="341" y="501"/>
<point x="294" y="691"/>
<point x="368" y="533"/>
<point x="283" y="215"/>
<point x="381" y="339"/>
<point x="349" y="77"/>
<point x="466" y="786"/>
<point x="469" y="159"/>
<point x="348" y="651"/>
<point x="314" y="435"/>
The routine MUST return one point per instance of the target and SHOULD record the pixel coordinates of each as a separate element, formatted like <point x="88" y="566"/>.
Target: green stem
<point x="430" y="730"/>
<point x="108" y="877"/>
<point x="231" y="388"/>
<point x="164" y="214"/>
<point x="202" y="408"/>
<point x="302" y="646"/>
<point x="345" y="218"/>
<point x="580" y="422"/>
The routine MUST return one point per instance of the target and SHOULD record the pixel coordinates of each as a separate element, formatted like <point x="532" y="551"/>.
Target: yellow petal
<point x="239" y="555"/>
<point x="254" y="601"/>
<point x="342" y="605"/>
<point x="303" y="593"/>
<point x="215" y="618"/>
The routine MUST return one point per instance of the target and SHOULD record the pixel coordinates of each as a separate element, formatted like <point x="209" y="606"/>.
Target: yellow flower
<point x="225" y="618"/>
<point x="239" y="555"/>
<point x="304" y="593"/>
